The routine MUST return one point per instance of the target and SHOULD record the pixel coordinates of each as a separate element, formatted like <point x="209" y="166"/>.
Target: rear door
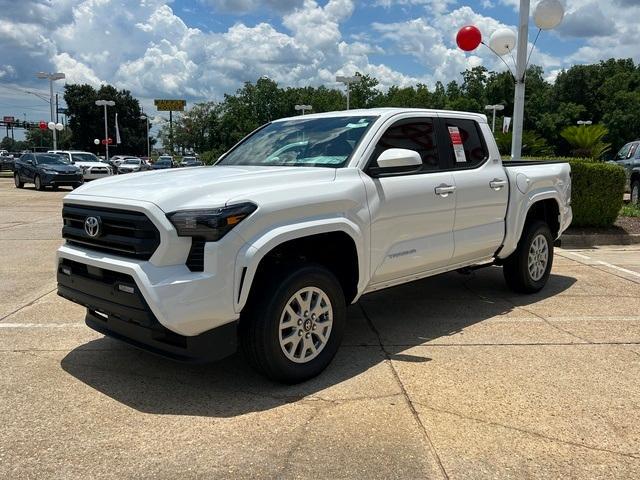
<point x="482" y="188"/>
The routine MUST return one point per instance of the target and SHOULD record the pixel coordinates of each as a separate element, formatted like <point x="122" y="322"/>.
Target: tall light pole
<point x="303" y="108"/>
<point x="105" y="104"/>
<point x="495" y="108"/>
<point x="144" y="117"/>
<point x="521" y="71"/>
<point x="347" y="81"/>
<point x="52" y="77"/>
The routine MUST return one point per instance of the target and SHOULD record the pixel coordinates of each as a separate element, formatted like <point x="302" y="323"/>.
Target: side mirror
<point x="30" y="162"/>
<point x="399" y="157"/>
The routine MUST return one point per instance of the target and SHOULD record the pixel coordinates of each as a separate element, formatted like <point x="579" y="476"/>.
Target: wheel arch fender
<point x="518" y="220"/>
<point x="253" y="252"/>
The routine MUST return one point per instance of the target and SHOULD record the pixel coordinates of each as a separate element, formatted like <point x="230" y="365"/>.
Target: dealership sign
<point x="170" y="105"/>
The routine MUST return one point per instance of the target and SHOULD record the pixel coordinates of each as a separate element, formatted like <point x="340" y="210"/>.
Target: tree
<point x="86" y="119"/>
<point x="364" y="93"/>
<point x="587" y="140"/>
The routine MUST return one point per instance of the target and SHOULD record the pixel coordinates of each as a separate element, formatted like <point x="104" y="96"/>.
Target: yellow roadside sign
<point x="170" y="105"/>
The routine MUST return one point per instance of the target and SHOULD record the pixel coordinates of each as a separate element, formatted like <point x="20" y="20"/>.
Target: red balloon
<point x="469" y="38"/>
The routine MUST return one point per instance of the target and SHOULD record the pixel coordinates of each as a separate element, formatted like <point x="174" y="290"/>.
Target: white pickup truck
<point x="266" y="249"/>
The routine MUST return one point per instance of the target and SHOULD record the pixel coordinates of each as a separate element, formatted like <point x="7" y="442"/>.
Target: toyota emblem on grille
<point x="92" y="225"/>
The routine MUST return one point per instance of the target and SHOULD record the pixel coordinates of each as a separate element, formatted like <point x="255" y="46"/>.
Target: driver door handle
<point x="497" y="184"/>
<point x="445" y="190"/>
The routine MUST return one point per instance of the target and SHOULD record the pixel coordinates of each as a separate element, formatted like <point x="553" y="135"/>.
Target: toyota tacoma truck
<point x="264" y="250"/>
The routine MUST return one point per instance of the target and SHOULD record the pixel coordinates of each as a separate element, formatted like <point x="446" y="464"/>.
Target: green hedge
<point x="597" y="193"/>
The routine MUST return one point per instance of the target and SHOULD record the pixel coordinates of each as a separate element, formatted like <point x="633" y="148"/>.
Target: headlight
<point x="210" y="225"/>
<point x="50" y="172"/>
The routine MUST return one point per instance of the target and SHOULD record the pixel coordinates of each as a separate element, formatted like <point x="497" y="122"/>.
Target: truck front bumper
<point x="117" y="308"/>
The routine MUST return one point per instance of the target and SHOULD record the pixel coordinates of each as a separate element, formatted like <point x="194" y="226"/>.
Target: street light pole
<point x="105" y="104"/>
<point x="52" y="77"/>
<point x="521" y="72"/>
<point x="347" y="81"/>
<point x="303" y="108"/>
<point x="144" y="117"/>
<point x="494" y="108"/>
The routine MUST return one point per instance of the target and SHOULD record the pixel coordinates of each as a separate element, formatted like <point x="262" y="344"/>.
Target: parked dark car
<point x="162" y="163"/>
<point x="190" y="162"/>
<point x="6" y="162"/>
<point x="628" y="157"/>
<point x="46" y="170"/>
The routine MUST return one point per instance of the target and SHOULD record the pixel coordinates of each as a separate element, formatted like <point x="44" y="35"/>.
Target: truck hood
<point x="200" y="187"/>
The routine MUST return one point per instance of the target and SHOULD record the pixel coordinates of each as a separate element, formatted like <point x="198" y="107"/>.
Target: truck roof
<point x="386" y="112"/>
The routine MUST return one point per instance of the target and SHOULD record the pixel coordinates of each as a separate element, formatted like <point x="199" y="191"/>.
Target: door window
<point x="466" y="145"/>
<point x="626" y="152"/>
<point x="417" y="134"/>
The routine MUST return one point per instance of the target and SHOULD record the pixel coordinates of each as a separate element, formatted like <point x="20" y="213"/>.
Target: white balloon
<point x="59" y="126"/>
<point x="502" y="41"/>
<point x="548" y="14"/>
<point x="96" y="141"/>
<point x="51" y="125"/>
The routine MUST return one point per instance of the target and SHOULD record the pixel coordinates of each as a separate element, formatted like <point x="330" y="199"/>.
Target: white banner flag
<point x="506" y="124"/>
<point x="117" y="131"/>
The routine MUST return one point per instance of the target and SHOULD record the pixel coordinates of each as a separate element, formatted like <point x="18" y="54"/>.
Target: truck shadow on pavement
<point x="383" y="326"/>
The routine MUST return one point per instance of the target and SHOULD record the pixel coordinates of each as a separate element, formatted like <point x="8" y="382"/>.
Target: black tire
<point x="16" y="179"/>
<point x="38" y="183"/>
<point x="516" y="267"/>
<point x="260" y="321"/>
<point x="635" y="192"/>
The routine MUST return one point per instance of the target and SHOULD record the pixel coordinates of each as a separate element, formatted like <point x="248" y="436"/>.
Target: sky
<point x="201" y="49"/>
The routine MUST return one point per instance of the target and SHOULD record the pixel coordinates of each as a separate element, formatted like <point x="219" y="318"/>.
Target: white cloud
<point x="146" y="47"/>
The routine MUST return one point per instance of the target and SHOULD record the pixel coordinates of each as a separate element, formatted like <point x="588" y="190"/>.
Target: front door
<point x="482" y="188"/>
<point x="412" y="211"/>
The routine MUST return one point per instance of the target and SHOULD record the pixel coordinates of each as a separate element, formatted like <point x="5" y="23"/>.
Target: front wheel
<point x="528" y="268"/>
<point x="293" y="323"/>
<point x="38" y="183"/>
<point x="17" y="181"/>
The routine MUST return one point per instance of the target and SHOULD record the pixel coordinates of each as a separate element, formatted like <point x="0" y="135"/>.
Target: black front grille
<point x="123" y="232"/>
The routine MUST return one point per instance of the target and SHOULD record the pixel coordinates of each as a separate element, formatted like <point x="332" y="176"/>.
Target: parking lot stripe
<point x="40" y="325"/>
<point x="620" y="269"/>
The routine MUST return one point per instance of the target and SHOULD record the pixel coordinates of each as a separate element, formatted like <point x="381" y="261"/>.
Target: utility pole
<point x="146" y="118"/>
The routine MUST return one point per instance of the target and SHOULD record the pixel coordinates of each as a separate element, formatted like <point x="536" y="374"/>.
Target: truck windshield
<point x="318" y="142"/>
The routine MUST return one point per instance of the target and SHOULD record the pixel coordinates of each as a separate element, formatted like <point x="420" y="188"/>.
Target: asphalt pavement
<point x="450" y="377"/>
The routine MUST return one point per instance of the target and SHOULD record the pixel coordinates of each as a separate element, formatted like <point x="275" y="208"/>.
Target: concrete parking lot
<point x="450" y="377"/>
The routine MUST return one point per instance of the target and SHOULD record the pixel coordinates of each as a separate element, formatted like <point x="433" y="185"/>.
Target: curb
<point x="595" y="240"/>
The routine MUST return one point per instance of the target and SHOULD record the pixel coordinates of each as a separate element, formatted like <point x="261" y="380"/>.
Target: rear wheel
<point x="294" y="322"/>
<point x="635" y="192"/>
<point x="38" y="183"/>
<point x="528" y="268"/>
<point x="17" y="181"/>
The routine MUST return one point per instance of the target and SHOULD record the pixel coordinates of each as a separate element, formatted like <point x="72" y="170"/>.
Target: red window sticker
<point x="458" y="147"/>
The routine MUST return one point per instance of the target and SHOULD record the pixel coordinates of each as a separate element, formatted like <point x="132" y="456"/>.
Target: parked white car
<point x="266" y="250"/>
<point x="131" y="164"/>
<point x="92" y="167"/>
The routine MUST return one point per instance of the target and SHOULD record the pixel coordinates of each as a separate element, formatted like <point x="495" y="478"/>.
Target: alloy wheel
<point x="305" y="324"/>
